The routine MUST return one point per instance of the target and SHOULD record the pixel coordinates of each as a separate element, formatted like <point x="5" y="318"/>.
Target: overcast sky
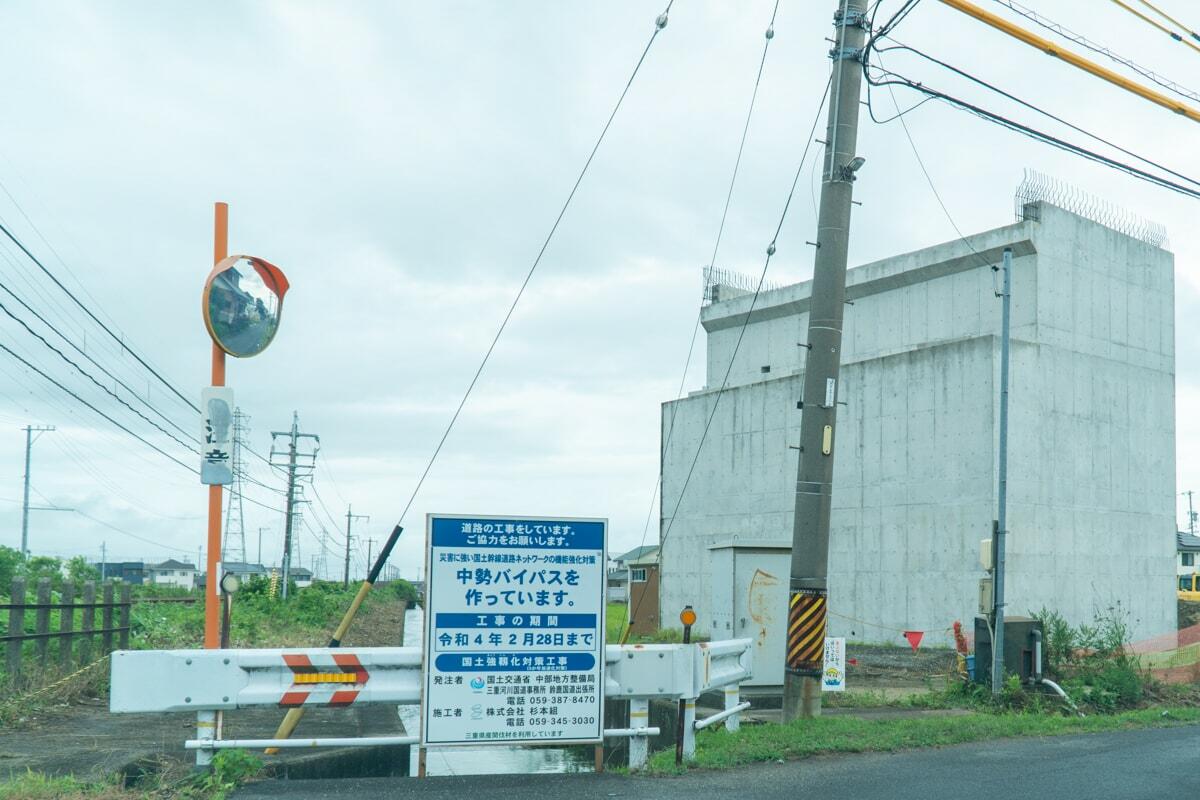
<point x="402" y="162"/>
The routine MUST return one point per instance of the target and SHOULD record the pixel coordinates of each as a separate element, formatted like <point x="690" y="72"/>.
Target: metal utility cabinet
<point x="1020" y="650"/>
<point x="748" y="600"/>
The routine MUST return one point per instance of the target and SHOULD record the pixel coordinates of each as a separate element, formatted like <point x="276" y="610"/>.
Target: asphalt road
<point x="1152" y="764"/>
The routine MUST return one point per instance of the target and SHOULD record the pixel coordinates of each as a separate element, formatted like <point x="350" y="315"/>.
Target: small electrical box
<point x="986" y="597"/>
<point x="985" y="554"/>
<point x="1019" y="648"/>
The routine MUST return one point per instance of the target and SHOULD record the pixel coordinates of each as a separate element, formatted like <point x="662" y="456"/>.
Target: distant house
<point x="172" y="573"/>
<point x="643" y="593"/>
<point x="630" y="568"/>
<point x="1187" y="549"/>
<point x="244" y="570"/>
<point x="131" y="572"/>
<point x="301" y="577"/>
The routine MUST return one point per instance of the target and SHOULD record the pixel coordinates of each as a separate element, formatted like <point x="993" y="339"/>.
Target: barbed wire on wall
<point x="1036" y="187"/>
<point x="715" y="277"/>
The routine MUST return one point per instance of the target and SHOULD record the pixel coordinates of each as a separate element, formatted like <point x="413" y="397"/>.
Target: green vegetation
<point x="757" y="743"/>
<point x="230" y="769"/>
<point x="258" y="620"/>
<point x="614" y="624"/>
<point x="1091" y="662"/>
<point x="618" y="618"/>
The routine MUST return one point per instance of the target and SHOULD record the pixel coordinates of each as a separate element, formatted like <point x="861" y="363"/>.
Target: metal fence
<point x="155" y="681"/>
<point x="41" y="621"/>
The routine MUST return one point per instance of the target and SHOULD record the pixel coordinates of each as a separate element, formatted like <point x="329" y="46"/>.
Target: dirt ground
<point x="1189" y="614"/>
<point x="874" y="667"/>
<point x="85" y="740"/>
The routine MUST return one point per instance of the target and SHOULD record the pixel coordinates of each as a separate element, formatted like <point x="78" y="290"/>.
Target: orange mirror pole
<point x="212" y="598"/>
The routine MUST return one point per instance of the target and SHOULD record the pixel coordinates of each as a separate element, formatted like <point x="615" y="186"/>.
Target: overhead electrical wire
<point x="1032" y="107"/>
<point x="112" y="527"/>
<point x="771" y="250"/>
<point x="46" y="241"/>
<point x="1035" y="134"/>
<point x="1154" y="23"/>
<point x="1170" y="19"/>
<point x="92" y="378"/>
<point x="52" y="380"/>
<point x="660" y="24"/>
<point x="921" y="163"/>
<point x="119" y="339"/>
<point x="1086" y="43"/>
<point x="712" y="261"/>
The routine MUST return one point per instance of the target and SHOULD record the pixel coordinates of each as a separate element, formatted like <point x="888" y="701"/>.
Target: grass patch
<point x="230" y="769"/>
<point x="804" y="738"/>
<point x="35" y="786"/>
<point x="615" y="621"/>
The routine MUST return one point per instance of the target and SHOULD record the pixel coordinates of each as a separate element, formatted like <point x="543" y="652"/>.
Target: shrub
<point x="1092" y="662"/>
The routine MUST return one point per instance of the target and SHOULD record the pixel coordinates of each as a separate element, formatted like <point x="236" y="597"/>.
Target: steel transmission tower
<point x="235" y="521"/>
<point x="298" y="465"/>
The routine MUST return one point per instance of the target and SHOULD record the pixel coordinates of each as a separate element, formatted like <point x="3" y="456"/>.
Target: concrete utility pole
<point x="1002" y="488"/>
<point x="807" y="598"/>
<point x="349" y="517"/>
<point x="29" y="440"/>
<point x="298" y="465"/>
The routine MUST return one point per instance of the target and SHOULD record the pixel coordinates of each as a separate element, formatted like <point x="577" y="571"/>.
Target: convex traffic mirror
<point x="243" y="300"/>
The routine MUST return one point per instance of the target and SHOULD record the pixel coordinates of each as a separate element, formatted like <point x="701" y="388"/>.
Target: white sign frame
<point x="430" y="735"/>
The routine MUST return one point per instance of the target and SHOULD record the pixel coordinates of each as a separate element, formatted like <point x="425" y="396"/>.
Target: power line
<point x="1038" y="135"/>
<point x="1170" y="19"/>
<point x="110" y="526"/>
<point x="119" y="339"/>
<point x="97" y="364"/>
<point x="141" y="439"/>
<point x="921" y="162"/>
<point x="659" y="24"/>
<point x="741" y="332"/>
<point x="1032" y="107"/>
<point x="1086" y="43"/>
<point x="769" y="36"/>
<point x="46" y="241"/>
<point x="90" y="377"/>
<point x="1177" y="37"/>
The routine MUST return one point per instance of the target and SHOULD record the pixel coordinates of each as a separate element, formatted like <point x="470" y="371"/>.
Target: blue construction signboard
<point x="514" y="630"/>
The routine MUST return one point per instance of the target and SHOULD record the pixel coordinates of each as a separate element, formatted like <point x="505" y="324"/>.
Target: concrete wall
<point x="1092" y="433"/>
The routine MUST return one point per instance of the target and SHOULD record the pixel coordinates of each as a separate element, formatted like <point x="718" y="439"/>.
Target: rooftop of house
<point x="171" y="563"/>
<point x="637" y="553"/>
<point x="1187" y="543"/>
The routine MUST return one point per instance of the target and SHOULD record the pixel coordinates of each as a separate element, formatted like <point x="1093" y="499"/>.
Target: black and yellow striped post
<point x="806" y="631"/>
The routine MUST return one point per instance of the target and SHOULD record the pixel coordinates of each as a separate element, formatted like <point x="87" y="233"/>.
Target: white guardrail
<point x="205" y="681"/>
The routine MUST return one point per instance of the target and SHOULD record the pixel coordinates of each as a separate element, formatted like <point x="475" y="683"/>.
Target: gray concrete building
<point x="1091" y="457"/>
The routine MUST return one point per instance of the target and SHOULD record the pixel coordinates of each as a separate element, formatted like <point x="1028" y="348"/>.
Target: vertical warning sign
<point x="833" y="679"/>
<point x="806" y="632"/>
